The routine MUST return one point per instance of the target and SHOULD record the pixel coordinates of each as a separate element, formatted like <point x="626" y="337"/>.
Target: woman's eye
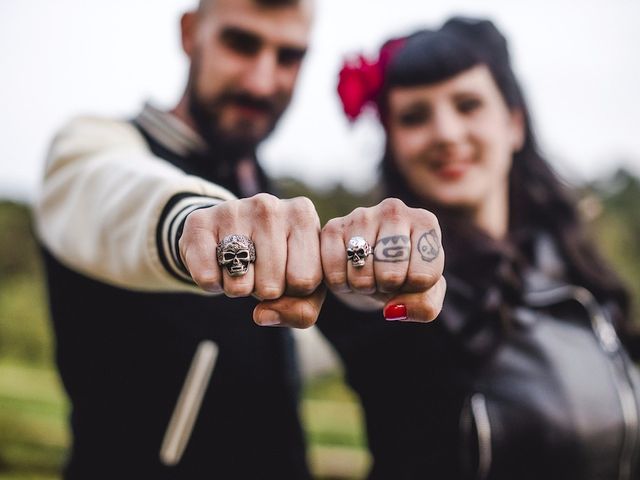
<point x="469" y="105"/>
<point x="414" y="117"/>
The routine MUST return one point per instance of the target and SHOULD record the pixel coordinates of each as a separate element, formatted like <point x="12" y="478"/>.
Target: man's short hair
<point x="204" y="4"/>
<point x="276" y="3"/>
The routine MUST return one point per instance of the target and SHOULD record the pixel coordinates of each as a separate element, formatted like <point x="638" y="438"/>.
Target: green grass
<point x="333" y="421"/>
<point x="25" y="333"/>
<point x="33" y="409"/>
<point x="27" y="476"/>
<point x="331" y="413"/>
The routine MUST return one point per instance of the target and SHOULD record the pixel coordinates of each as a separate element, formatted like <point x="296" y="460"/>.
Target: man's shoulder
<point x="89" y="132"/>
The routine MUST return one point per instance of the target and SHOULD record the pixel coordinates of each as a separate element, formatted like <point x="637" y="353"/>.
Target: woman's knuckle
<point x="335" y="279"/>
<point x="332" y="226"/>
<point x="363" y="283"/>
<point x="390" y="280"/>
<point x="392" y="208"/>
<point x="421" y="280"/>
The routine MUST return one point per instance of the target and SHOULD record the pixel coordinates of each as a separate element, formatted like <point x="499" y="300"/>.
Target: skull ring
<point x="235" y="253"/>
<point x="358" y="250"/>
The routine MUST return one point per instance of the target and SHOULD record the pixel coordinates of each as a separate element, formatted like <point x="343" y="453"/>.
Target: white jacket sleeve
<point x="111" y="210"/>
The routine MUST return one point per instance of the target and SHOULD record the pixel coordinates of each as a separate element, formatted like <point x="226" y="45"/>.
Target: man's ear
<point x="517" y="129"/>
<point x="188" y="29"/>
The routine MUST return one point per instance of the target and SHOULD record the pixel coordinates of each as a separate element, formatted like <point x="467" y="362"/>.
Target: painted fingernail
<point x="395" y="312"/>
<point x="269" y="318"/>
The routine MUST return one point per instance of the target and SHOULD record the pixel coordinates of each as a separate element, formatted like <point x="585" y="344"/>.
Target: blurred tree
<point x="17" y="244"/>
<point x="616" y="227"/>
<point x="336" y="201"/>
<point x="24" y="331"/>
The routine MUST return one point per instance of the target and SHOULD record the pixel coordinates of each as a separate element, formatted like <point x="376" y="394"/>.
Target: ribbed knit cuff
<point x="170" y="228"/>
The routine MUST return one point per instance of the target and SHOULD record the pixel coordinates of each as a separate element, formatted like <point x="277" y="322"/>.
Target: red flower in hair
<point x="361" y="80"/>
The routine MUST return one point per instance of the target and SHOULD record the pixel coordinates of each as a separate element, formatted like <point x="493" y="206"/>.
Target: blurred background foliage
<point x="33" y="407"/>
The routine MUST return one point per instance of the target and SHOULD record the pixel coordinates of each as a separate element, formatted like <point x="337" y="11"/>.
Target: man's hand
<point x="287" y="274"/>
<point x="404" y="273"/>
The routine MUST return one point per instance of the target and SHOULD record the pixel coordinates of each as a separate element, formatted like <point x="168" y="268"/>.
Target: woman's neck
<point x="493" y="215"/>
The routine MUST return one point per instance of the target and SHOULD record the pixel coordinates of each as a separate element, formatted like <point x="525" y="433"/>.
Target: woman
<point x="522" y="376"/>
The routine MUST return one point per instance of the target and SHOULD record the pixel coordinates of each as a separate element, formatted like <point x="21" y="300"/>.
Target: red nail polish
<point x="395" y="312"/>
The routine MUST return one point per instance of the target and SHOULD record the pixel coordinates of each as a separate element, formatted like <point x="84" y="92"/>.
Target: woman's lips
<point x="450" y="169"/>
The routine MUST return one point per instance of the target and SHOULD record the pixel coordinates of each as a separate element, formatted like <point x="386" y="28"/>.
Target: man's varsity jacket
<point x="128" y="321"/>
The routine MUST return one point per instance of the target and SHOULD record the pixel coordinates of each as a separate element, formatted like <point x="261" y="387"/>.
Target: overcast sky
<point x="577" y="60"/>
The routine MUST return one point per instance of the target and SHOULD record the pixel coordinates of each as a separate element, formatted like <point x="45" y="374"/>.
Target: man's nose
<point x="260" y="78"/>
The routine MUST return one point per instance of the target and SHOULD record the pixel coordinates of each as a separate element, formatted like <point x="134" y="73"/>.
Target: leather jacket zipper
<point x="480" y="417"/>
<point x="475" y="417"/>
<point x="610" y="344"/>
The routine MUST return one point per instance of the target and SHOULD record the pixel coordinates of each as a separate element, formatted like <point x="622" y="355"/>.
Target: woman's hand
<point x="404" y="272"/>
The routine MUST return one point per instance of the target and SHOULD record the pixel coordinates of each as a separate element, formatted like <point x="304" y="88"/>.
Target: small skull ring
<point x="358" y="250"/>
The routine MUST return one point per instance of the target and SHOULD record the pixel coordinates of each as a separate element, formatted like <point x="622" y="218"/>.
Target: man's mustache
<point x="246" y="100"/>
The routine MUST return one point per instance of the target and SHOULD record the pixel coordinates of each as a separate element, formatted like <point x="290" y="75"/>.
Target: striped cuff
<point x="170" y="230"/>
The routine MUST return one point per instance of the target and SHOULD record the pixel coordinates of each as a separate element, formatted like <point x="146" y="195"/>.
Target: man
<point x="139" y="219"/>
<point x="114" y="196"/>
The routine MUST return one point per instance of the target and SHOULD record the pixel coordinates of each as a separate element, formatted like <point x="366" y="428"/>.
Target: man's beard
<point x="243" y="140"/>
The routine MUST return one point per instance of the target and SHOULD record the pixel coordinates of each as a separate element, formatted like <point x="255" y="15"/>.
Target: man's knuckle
<point x="206" y="279"/>
<point x="235" y="290"/>
<point x="308" y="313"/>
<point x="303" y="212"/>
<point x="269" y="291"/>
<point x="195" y="221"/>
<point x="302" y="205"/>
<point x="303" y="285"/>
<point x="264" y="205"/>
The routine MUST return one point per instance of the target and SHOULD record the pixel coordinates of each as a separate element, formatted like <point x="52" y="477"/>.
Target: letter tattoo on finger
<point x="429" y="246"/>
<point x="393" y="249"/>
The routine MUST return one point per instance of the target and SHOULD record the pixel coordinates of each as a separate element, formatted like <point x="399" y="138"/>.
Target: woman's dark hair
<point x="538" y="201"/>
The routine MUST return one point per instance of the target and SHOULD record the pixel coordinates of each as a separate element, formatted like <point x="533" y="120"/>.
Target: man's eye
<point x="240" y="42"/>
<point x="468" y="105"/>
<point x="290" y="56"/>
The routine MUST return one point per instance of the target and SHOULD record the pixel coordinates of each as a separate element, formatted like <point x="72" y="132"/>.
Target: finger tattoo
<point x="393" y="249"/>
<point x="429" y="246"/>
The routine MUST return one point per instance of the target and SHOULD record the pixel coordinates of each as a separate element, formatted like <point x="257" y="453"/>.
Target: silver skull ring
<point x="358" y="250"/>
<point x="236" y="253"/>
